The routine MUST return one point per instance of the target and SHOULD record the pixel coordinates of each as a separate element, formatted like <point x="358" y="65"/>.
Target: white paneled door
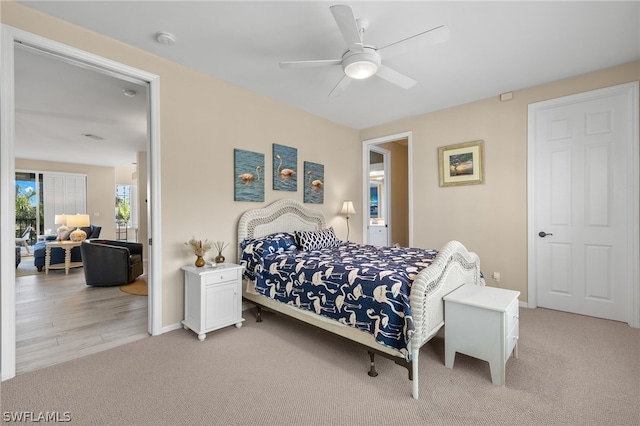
<point x="582" y="150"/>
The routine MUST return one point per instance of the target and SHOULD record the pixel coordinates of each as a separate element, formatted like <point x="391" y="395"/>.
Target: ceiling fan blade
<point x="310" y="64"/>
<point x="340" y="87"/>
<point x="346" y="21"/>
<point x="395" y="77"/>
<point x="433" y="36"/>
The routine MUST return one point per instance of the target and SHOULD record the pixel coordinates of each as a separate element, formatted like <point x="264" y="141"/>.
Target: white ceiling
<point x="494" y="47"/>
<point x="58" y="103"/>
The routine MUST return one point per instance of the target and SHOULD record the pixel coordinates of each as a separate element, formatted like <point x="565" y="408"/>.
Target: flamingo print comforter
<point x="361" y="286"/>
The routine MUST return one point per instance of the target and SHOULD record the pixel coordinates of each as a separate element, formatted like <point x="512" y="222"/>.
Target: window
<point x="126" y="210"/>
<point x="63" y="193"/>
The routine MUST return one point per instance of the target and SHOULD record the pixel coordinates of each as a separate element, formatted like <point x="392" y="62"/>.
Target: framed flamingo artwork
<point x="285" y="166"/>
<point x="248" y="175"/>
<point x="313" y="183"/>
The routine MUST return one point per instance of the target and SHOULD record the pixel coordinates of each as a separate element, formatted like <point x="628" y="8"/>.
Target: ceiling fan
<point x="362" y="61"/>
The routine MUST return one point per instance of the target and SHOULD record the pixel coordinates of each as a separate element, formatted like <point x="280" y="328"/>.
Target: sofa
<point x="111" y="262"/>
<point x="57" y="253"/>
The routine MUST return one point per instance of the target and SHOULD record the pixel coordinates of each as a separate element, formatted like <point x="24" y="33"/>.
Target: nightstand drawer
<point x="222" y="277"/>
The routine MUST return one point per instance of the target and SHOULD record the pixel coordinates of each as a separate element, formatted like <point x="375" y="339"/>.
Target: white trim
<point x="366" y="144"/>
<point x="178" y="325"/>
<point x="8" y="37"/>
<point x="633" y="244"/>
<point x="7" y="213"/>
<point x="154" y="217"/>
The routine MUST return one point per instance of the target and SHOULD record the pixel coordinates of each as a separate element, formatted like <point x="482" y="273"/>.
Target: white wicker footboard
<point x="453" y="267"/>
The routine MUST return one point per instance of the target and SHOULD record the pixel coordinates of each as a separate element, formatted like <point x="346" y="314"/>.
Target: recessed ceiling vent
<point x="94" y="137"/>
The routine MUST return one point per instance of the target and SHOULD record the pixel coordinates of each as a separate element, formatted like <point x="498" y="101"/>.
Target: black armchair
<point x="110" y="262"/>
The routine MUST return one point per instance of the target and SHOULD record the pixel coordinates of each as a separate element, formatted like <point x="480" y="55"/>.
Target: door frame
<point x="633" y="242"/>
<point x="9" y="36"/>
<point x="386" y="192"/>
<point x="366" y="146"/>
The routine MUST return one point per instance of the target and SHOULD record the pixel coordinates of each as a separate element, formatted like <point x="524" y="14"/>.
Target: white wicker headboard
<point x="280" y="216"/>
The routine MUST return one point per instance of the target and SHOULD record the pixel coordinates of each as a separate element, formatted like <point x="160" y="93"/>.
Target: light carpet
<point x="571" y="370"/>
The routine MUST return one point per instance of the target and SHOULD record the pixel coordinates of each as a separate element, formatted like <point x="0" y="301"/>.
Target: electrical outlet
<point x="496" y="276"/>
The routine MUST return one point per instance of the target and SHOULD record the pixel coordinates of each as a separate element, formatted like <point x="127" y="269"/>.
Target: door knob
<point x="543" y="234"/>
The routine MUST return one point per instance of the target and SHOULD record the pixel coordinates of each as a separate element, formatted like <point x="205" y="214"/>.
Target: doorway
<point x="583" y="189"/>
<point x="379" y="219"/>
<point x="11" y="37"/>
<point x="387" y="195"/>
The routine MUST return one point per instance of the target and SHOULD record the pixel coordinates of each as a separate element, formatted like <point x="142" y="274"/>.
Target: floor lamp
<point x="347" y="209"/>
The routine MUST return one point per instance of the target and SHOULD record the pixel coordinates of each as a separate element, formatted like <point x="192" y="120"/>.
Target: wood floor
<point x="60" y="318"/>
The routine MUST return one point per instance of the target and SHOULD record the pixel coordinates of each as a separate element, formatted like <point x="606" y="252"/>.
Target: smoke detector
<point x="166" y="38"/>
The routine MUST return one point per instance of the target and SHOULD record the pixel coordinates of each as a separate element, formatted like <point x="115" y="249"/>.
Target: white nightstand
<point x="212" y="298"/>
<point x="482" y="322"/>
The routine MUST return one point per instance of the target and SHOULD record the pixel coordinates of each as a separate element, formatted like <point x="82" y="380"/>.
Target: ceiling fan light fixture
<point x="361" y="70"/>
<point x="361" y="65"/>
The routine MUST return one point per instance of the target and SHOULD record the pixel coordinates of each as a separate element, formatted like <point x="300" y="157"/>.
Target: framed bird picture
<point x="285" y="166"/>
<point x="313" y="183"/>
<point x="248" y="176"/>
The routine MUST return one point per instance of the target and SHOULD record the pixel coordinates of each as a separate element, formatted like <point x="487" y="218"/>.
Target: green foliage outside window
<point x="24" y="208"/>
<point x="124" y="210"/>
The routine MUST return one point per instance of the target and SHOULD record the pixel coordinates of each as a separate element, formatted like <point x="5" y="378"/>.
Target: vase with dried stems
<point x="199" y="248"/>
<point x="220" y="246"/>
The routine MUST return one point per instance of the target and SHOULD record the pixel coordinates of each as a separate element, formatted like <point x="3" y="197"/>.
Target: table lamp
<point x="60" y="219"/>
<point x="348" y="209"/>
<point x="77" y="221"/>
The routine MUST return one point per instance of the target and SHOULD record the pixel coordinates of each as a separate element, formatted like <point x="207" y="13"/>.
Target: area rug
<point x="138" y="287"/>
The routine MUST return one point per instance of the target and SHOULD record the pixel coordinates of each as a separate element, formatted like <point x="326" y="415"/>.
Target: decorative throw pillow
<point x="316" y="240"/>
<point x="66" y="235"/>
<point x="253" y="250"/>
<point x="276" y="243"/>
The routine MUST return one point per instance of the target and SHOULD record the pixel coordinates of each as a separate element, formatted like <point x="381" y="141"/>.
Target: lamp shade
<point x="60" y="219"/>
<point x="78" y="220"/>
<point x="347" y="208"/>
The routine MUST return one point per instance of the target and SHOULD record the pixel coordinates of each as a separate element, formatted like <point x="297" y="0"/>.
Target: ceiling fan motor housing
<point x="361" y="65"/>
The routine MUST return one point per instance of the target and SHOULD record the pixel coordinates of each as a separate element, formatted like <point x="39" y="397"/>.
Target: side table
<point x="482" y="322"/>
<point x="212" y="298"/>
<point x="67" y="246"/>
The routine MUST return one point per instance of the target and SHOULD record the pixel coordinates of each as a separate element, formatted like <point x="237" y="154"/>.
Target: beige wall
<point x="490" y="219"/>
<point x="125" y="174"/>
<point x="202" y="120"/>
<point x="101" y="189"/>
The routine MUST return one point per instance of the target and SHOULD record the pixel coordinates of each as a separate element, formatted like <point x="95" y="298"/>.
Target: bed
<point x="409" y="297"/>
